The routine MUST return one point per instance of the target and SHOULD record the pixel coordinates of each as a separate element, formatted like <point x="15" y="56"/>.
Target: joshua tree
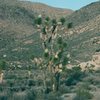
<point x="54" y="57"/>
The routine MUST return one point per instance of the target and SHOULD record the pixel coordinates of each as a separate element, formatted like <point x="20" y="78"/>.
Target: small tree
<point x="54" y="57"/>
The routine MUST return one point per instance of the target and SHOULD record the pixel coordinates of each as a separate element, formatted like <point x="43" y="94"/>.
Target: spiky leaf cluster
<point x="54" y="44"/>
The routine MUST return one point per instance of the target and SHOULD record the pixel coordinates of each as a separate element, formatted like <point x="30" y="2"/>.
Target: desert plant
<point x="54" y="21"/>
<point x="74" y="75"/>
<point x="54" y="57"/>
<point x="47" y="18"/>
<point x="3" y="96"/>
<point x="38" y="20"/>
<point x="31" y="82"/>
<point x="62" y="20"/>
<point x="53" y="96"/>
<point x="83" y="94"/>
<point x="2" y="64"/>
<point x="31" y="95"/>
<point x="64" y="89"/>
<point x="69" y="25"/>
<point x="19" y="96"/>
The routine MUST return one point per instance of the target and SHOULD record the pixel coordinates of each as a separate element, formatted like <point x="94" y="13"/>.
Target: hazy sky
<point x="72" y="4"/>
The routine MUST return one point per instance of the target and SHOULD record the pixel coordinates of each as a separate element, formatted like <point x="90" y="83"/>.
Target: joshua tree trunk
<point x="44" y="79"/>
<point x="55" y="77"/>
<point x="56" y="81"/>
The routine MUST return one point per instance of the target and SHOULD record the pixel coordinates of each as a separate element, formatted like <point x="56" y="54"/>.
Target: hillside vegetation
<point x="48" y="53"/>
<point x="84" y="37"/>
<point x="17" y="27"/>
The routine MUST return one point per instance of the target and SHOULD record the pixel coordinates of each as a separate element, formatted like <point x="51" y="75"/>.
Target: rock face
<point x="96" y="59"/>
<point x="95" y="62"/>
<point x="84" y="36"/>
<point x="84" y="14"/>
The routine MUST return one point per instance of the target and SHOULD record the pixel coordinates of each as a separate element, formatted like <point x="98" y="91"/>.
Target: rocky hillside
<point x="84" y="14"/>
<point x="46" y="10"/>
<point x="17" y="25"/>
<point x="84" y="36"/>
<point x="17" y="28"/>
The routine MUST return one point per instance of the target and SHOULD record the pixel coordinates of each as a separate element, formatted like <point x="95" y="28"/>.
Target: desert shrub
<point x="64" y="89"/>
<point x="48" y="90"/>
<point x="83" y="94"/>
<point x="10" y="82"/>
<point x="54" y="21"/>
<point x="39" y="82"/>
<point x="1" y="88"/>
<point x="23" y="88"/>
<point x="38" y="21"/>
<point x="98" y="50"/>
<point x="96" y="81"/>
<point x="53" y="96"/>
<point x="3" y="96"/>
<point x="62" y="20"/>
<point x="11" y="76"/>
<point x="19" y="96"/>
<point x="2" y="64"/>
<point x="31" y="82"/>
<point x="47" y="18"/>
<point x="69" y="25"/>
<point x="89" y="79"/>
<point x="74" y="75"/>
<point x="31" y="95"/>
<point x="98" y="71"/>
<point x="17" y="88"/>
<point x="92" y="79"/>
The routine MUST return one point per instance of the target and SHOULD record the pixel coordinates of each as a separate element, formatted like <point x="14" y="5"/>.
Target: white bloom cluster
<point x="39" y="16"/>
<point x="46" y="51"/>
<point x="4" y="55"/>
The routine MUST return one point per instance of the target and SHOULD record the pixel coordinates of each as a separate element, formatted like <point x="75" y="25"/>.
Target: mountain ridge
<point x="19" y="38"/>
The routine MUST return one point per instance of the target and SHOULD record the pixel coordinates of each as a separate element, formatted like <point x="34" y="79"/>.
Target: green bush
<point x="69" y="25"/>
<point x="74" y="75"/>
<point x="31" y="82"/>
<point x="38" y="21"/>
<point x="11" y="82"/>
<point x="62" y="20"/>
<point x="2" y="64"/>
<point x="64" y="89"/>
<point x="53" y="96"/>
<point x="83" y="94"/>
<point x="47" y="18"/>
<point x="19" y="96"/>
<point x="3" y="96"/>
<point x="31" y="95"/>
<point x="54" y="21"/>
